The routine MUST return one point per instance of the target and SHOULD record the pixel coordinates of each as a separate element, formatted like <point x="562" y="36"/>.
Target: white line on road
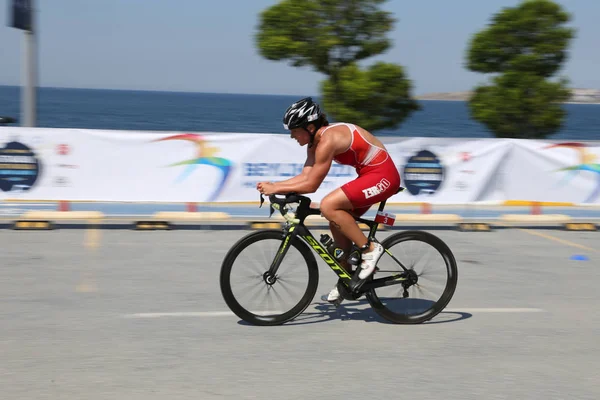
<point x="494" y="310"/>
<point x="209" y="314"/>
<point x="194" y="314"/>
<point x="181" y="314"/>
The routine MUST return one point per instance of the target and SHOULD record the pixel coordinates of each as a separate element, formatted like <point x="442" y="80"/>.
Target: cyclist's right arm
<point x="310" y="161"/>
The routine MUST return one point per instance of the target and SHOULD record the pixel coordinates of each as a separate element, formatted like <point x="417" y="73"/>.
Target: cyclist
<point x="348" y="144"/>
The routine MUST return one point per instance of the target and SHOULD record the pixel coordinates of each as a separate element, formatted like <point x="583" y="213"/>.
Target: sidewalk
<point x="12" y="209"/>
<point x="241" y="216"/>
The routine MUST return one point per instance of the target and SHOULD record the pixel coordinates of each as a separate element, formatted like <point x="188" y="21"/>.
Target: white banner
<point x="448" y="171"/>
<point x="553" y="171"/>
<point x="97" y="165"/>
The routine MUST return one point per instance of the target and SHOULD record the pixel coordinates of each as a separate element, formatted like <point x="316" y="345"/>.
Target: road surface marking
<point x="191" y="314"/>
<point x="494" y="310"/>
<point x="559" y="240"/>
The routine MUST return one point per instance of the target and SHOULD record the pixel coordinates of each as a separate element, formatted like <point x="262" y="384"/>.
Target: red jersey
<point x="378" y="178"/>
<point x="360" y="153"/>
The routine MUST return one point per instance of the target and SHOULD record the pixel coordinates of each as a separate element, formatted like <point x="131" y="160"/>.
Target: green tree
<point x="524" y="46"/>
<point x="378" y="97"/>
<point x="332" y="36"/>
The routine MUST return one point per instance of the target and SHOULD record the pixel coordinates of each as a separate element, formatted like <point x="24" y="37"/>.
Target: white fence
<point x="98" y="165"/>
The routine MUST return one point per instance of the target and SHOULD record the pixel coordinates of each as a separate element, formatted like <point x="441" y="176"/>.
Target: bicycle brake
<point x="271" y="209"/>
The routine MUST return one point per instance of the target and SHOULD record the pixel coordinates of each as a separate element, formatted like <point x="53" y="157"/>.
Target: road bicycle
<point x="400" y="280"/>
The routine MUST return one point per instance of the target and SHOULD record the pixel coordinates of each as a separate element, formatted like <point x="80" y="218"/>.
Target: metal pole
<point x="28" y="90"/>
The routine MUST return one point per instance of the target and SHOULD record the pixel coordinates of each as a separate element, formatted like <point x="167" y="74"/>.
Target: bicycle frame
<point x="295" y="228"/>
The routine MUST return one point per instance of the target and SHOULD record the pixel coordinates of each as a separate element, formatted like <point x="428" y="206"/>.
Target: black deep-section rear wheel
<point x="403" y="303"/>
<point x="254" y="253"/>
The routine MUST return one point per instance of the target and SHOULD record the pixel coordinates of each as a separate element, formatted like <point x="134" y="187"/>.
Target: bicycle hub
<point x="269" y="278"/>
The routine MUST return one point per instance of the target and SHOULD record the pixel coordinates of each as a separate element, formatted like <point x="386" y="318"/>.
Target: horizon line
<point x="158" y="90"/>
<point x="190" y="91"/>
<point x="241" y="93"/>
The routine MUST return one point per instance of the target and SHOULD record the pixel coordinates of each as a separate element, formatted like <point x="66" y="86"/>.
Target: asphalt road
<point x="139" y="315"/>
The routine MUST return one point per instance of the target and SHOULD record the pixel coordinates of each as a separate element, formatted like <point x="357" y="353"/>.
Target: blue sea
<point x="245" y="113"/>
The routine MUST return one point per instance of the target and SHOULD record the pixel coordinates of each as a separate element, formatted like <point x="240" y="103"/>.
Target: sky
<point x="208" y="46"/>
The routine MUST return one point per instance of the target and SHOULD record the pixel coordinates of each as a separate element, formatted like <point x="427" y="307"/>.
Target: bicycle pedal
<point x="335" y="303"/>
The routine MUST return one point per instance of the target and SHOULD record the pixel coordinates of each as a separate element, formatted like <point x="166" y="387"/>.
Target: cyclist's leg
<point x="337" y="208"/>
<point x="373" y="185"/>
<point x="357" y="196"/>
<point x="343" y="242"/>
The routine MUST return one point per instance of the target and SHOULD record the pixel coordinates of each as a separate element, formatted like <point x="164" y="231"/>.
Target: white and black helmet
<point x="301" y="113"/>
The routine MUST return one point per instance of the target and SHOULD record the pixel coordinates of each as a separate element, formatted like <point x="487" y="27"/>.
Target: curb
<point x="50" y="220"/>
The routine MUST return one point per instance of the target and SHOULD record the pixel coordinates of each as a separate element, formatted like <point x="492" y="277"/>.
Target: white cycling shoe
<point x="334" y="295"/>
<point x="369" y="261"/>
<point x="367" y="267"/>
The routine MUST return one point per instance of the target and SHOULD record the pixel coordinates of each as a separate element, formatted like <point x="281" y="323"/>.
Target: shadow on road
<point x="356" y="311"/>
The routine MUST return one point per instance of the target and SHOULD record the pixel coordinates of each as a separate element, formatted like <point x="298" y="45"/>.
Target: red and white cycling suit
<point x="378" y="178"/>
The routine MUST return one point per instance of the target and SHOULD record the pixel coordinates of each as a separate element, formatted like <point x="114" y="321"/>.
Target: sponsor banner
<point x="73" y="164"/>
<point x="447" y="170"/>
<point x="104" y="165"/>
<point x="553" y="171"/>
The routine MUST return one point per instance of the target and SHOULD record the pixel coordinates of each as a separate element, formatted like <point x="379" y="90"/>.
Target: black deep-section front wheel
<point x="245" y="277"/>
<point x="425" y="289"/>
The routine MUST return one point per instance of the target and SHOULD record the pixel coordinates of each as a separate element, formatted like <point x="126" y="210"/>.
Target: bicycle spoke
<point x="406" y="257"/>
<point x="425" y="264"/>
<point x="422" y="289"/>
<point x="275" y="294"/>
<point x="285" y="284"/>
<point x="429" y="278"/>
<point x="252" y="284"/>
<point x="434" y="273"/>
<point x="265" y="299"/>
<point x="251" y="277"/>
<point x="253" y="293"/>
<point x="433" y="286"/>
<point x="259" y="267"/>
<point x="288" y="281"/>
<point x="284" y="287"/>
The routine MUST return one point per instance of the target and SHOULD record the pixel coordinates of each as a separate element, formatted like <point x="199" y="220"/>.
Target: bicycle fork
<point x="270" y="277"/>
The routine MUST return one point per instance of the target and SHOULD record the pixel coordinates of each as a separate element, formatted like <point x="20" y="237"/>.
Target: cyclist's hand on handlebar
<point x="259" y="185"/>
<point x="266" y="188"/>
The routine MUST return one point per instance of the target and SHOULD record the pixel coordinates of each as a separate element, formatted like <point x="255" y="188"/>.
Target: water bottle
<point x="332" y="248"/>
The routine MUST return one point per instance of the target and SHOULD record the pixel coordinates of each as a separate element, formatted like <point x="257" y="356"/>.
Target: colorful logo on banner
<point x="19" y="167"/>
<point x="423" y="173"/>
<point x="205" y="156"/>
<point x="586" y="163"/>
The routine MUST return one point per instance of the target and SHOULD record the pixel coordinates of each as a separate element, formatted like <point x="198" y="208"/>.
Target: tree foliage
<point x="332" y="36"/>
<point x="524" y="46"/>
<point x="379" y="97"/>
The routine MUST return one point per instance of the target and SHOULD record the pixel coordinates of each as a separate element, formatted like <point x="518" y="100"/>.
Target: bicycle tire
<point x="277" y="319"/>
<point x="449" y="289"/>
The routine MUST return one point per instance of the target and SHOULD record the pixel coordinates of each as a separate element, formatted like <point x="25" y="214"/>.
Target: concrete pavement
<point x="139" y="315"/>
